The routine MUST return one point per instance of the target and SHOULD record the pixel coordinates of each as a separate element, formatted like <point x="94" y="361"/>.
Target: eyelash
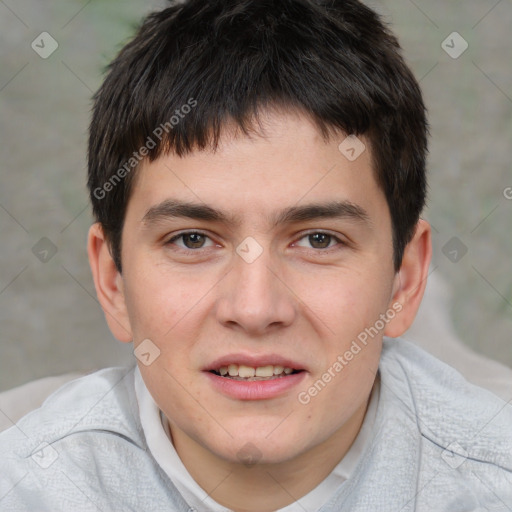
<point x="326" y="250"/>
<point x="185" y="233"/>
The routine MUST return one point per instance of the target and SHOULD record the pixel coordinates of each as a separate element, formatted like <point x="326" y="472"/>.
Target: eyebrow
<point x="170" y="209"/>
<point x="331" y="210"/>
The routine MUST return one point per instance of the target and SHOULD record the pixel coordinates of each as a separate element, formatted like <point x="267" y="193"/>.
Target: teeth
<point x="265" y="371"/>
<point x="235" y="370"/>
<point x="278" y="370"/>
<point x="246" y="371"/>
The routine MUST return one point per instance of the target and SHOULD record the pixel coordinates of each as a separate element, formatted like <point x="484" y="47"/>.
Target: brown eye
<point x="193" y="240"/>
<point x="320" y="240"/>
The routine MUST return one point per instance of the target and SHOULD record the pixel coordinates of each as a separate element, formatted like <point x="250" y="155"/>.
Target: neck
<point x="265" y="487"/>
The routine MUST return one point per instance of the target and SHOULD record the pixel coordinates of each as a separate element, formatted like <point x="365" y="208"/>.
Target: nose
<point x="254" y="298"/>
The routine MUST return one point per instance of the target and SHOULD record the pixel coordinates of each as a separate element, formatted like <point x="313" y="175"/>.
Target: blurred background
<point x="52" y="58"/>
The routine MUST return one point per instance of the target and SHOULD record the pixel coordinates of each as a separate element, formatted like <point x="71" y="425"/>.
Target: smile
<point x="255" y="388"/>
<point x="249" y="373"/>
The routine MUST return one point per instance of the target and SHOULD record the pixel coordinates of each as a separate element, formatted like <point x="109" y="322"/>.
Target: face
<point x="268" y="256"/>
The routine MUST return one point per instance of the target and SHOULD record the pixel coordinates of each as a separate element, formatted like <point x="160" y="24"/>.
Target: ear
<point x="411" y="280"/>
<point x="109" y="284"/>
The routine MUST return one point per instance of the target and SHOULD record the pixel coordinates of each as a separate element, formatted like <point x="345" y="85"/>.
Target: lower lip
<point x="255" y="389"/>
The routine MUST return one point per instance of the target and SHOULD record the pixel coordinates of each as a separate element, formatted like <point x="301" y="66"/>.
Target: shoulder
<point x="82" y="449"/>
<point x="103" y="402"/>
<point x="451" y="413"/>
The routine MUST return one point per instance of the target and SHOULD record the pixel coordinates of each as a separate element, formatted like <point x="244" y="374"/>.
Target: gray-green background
<point x="50" y="321"/>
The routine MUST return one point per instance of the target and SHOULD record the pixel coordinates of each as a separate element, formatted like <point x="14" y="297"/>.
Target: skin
<point x="298" y="299"/>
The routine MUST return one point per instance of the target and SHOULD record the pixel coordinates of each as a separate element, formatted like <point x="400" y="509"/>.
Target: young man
<point x="257" y="172"/>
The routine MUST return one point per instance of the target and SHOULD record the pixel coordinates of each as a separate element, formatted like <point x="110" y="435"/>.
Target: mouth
<point x="245" y="377"/>
<point x="246" y="373"/>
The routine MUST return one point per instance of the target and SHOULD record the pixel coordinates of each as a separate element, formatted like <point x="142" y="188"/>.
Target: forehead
<point x="283" y="162"/>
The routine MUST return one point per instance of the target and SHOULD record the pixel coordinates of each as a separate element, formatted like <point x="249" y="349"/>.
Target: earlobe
<point x="109" y="284"/>
<point x="411" y="280"/>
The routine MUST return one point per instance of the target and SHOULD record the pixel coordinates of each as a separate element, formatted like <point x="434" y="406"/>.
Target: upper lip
<point x="254" y="361"/>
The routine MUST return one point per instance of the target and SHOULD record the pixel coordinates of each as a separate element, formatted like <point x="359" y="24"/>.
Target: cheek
<point x="160" y="301"/>
<point x="175" y="393"/>
<point x="339" y="389"/>
<point x="345" y="303"/>
<point x="348" y="309"/>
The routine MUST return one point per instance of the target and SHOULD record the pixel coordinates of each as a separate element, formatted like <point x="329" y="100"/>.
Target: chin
<point x="256" y="448"/>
